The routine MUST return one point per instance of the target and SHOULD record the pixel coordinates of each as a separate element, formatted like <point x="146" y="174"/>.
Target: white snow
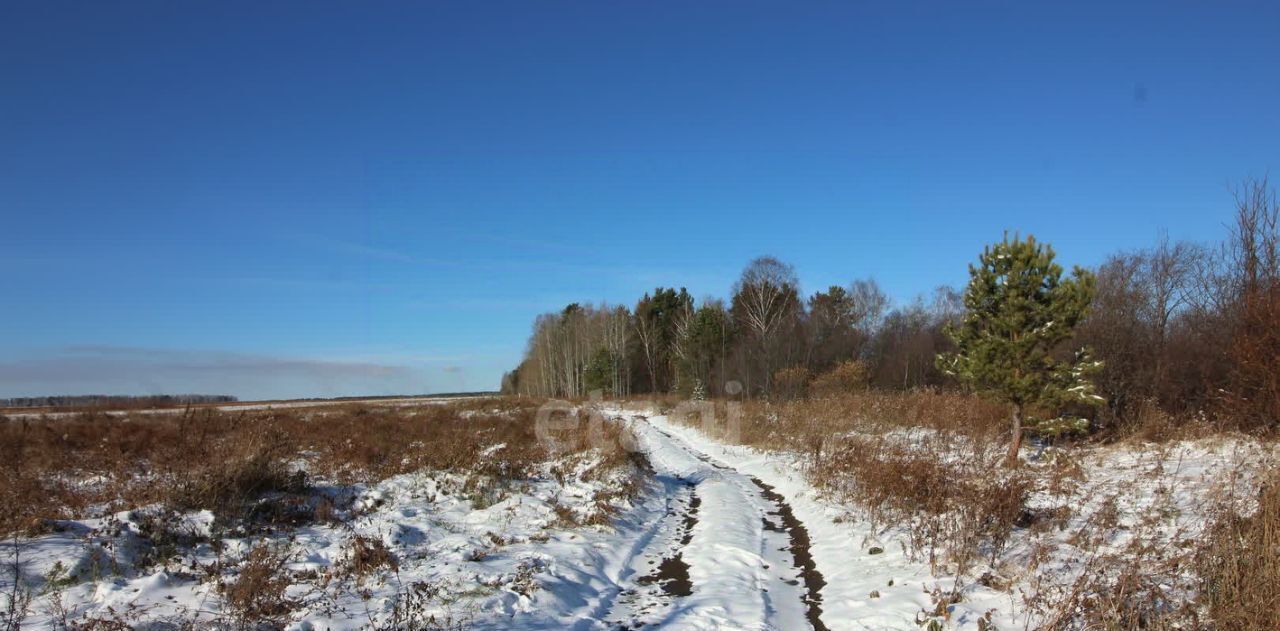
<point x="503" y="557"/>
<point x="742" y="575"/>
<point x="1160" y="492"/>
<point x="840" y="548"/>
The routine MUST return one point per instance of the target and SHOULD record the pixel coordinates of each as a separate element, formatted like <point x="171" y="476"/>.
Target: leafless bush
<point x="412" y="611"/>
<point x="948" y="504"/>
<point x="366" y="556"/>
<point x="1255" y="350"/>
<point x="1124" y="592"/>
<point x="239" y="473"/>
<point x="15" y="602"/>
<point x="166" y="534"/>
<point x="1146" y="584"/>
<point x="258" y="595"/>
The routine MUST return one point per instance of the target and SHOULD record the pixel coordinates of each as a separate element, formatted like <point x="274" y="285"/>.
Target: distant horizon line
<point x="227" y="398"/>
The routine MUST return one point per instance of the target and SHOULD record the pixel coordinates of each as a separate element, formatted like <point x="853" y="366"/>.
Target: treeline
<point x="754" y="344"/>
<point x="1186" y="327"/>
<point x="1180" y="327"/>
<point x="102" y="400"/>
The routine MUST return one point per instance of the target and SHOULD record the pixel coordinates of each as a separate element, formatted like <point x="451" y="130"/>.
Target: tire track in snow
<point x="672" y="573"/>
<point x="813" y="580"/>
<point x="628" y="601"/>
<point x="730" y="566"/>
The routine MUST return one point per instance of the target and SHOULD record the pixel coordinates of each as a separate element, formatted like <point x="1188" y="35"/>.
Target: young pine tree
<point x="1019" y="309"/>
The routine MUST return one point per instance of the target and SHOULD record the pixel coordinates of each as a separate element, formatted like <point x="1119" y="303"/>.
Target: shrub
<point x="227" y="486"/>
<point x="791" y="383"/>
<point x="366" y="555"/>
<point x="258" y="594"/>
<point x="948" y="504"/>
<point x="845" y="378"/>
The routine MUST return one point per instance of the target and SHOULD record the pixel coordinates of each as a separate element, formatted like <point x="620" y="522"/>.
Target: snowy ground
<point x="1120" y="496"/>
<point x="862" y="589"/>
<point x="716" y="536"/>
<point x="700" y="546"/>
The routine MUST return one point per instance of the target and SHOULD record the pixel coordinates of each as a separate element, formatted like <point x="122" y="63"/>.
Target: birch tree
<point x="765" y="302"/>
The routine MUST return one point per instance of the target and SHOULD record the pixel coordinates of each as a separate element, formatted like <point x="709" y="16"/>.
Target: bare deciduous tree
<point x="1255" y="253"/>
<point x="765" y="301"/>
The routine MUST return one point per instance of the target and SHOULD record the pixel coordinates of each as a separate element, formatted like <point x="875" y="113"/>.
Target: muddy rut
<point x="678" y="576"/>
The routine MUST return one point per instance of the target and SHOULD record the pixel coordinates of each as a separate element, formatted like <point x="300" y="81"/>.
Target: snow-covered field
<point x="249" y="406"/>
<point x="703" y="535"/>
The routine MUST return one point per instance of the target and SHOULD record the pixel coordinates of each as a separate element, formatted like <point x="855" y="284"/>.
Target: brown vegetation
<point x="243" y="465"/>
<point x="257" y="595"/>
<point x="924" y="459"/>
<point x="847" y="377"/>
<point x="366" y="555"/>
<point x="1239" y="564"/>
<point x="1191" y="328"/>
<point x="926" y="464"/>
<point x="262" y="473"/>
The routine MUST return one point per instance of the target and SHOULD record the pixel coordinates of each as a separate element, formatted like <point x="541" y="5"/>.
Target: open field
<point x="346" y="516"/>
<point x="237" y="406"/>
<point x="875" y="511"/>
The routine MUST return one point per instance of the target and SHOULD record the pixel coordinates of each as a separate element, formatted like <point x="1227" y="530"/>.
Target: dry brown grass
<point x="953" y="506"/>
<point x="258" y="595"/>
<point x="924" y="460"/>
<point x="1121" y="593"/>
<point x="264" y="472"/>
<point x="779" y="425"/>
<point x="366" y="556"/>
<point x="242" y="465"/>
<point x="1239" y="565"/>
<point x="845" y="378"/>
<point x="1148" y="422"/>
<point x="1144" y="585"/>
<point x="928" y="464"/>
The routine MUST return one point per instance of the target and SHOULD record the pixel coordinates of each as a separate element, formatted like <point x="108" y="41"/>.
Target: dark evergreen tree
<point x="833" y="336"/>
<point x="654" y="323"/>
<point x="703" y="347"/>
<point x="599" y="372"/>
<point x="1019" y="310"/>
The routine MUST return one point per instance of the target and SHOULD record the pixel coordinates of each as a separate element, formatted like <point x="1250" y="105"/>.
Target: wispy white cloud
<point x="135" y="370"/>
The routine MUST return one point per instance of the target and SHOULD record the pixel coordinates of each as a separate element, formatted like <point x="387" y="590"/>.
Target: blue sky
<point x="312" y="199"/>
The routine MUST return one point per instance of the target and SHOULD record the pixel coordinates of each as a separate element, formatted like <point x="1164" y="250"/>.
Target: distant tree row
<point x="1178" y="327"/>
<point x="670" y="342"/>
<point x="99" y="400"/>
